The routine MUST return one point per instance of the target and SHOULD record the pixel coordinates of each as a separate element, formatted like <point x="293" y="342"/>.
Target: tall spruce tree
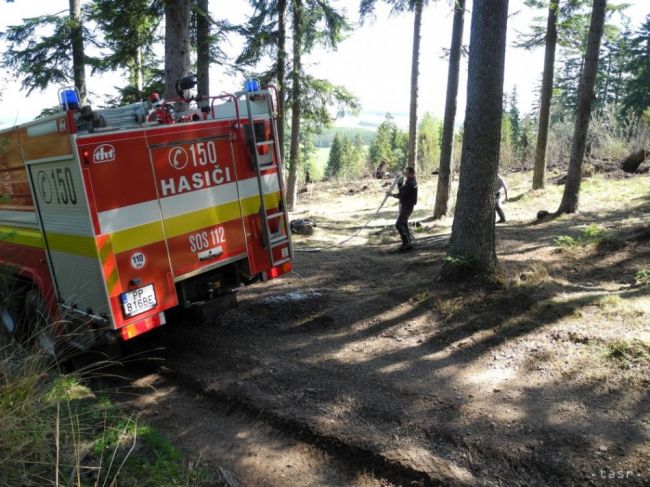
<point x="319" y="24"/>
<point x="48" y="49"/>
<point x="472" y="243"/>
<point x="546" y="95"/>
<point x="129" y="33"/>
<point x="177" y="43"/>
<point x="334" y="160"/>
<point x="447" y="142"/>
<point x="637" y="89"/>
<point x="570" y="197"/>
<point x="366" y="8"/>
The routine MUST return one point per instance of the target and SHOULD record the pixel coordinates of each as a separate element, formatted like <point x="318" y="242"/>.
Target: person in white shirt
<point x="502" y="193"/>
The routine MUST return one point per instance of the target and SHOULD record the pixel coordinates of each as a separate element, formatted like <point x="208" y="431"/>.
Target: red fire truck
<point x="110" y="218"/>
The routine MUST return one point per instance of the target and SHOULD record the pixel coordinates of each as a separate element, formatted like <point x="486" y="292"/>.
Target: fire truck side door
<point x="63" y="215"/>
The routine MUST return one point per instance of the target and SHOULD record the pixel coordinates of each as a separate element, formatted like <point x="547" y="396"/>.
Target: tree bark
<point x="203" y="50"/>
<point x="294" y="155"/>
<point x="446" y="151"/>
<point x="281" y="71"/>
<point x="472" y="243"/>
<point x="546" y="95"/>
<point x="139" y="70"/>
<point x="78" y="57"/>
<point x="570" y="198"/>
<point x="415" y="71"/>
<point x="177" y="43"/>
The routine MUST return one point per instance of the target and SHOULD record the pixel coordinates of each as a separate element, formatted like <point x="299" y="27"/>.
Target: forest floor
<point x="539" y="378"/>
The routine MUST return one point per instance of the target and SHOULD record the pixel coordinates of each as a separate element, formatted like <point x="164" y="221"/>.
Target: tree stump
<point x="632" y="162"/>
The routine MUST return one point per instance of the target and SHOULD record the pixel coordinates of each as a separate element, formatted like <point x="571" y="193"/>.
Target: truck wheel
<point x="36" y="327"/>
<point x="8" y="324"/>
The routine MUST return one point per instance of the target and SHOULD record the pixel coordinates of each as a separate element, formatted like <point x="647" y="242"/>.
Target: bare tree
<point x="570" y="198"/>
<point x="472" y="244"/>
<point x="546" y="94"/>
<point x="444" y="172"/>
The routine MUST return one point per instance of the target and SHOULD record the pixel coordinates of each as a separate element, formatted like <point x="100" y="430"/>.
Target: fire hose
<point x="356" y="234"/>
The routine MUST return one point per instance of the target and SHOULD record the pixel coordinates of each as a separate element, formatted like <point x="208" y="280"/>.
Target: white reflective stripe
<point x="111" y="221"/>
<point x="249" y="187"/>
<point x="181" y="204"/>
<point x="15" y="217"/>
<point x="129" y="216"/>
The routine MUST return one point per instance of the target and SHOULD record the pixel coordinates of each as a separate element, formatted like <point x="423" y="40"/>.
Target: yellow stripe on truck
<point x="139" y="236"/>
<point x="21" y="236"/>
<point x="190" y="222"/>
<point x="72" y="244"/>
<point x="136" y="237"/>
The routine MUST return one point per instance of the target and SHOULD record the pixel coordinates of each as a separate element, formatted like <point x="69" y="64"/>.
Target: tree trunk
<point x="281" y="71"/>
<point x="446" y="151"/>
<point x="78" y="57"/>
<point x="139" y="70"/>
<point x="415" y="71"/>
<point x="177" y="43"/>
<point x="294" y="155"/>
<point x="472" y="245"/>
<point x="203" y="51"/>
<point x="570" y="198"/>
<point x="546" y="95"/>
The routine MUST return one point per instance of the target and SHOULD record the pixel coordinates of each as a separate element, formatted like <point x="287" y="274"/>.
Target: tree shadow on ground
<point x="378" y="355"/>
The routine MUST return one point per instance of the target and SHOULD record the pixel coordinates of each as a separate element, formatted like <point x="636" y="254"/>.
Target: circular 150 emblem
<point x="138" y="260"/>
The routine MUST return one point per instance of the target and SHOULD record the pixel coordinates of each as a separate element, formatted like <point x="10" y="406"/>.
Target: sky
<point x="373" y="62"/>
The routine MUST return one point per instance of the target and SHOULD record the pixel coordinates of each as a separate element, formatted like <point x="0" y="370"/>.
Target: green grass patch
<point x="591" y="234"/>
<point x="628" y="351"/>
<point x="55" y="430"/>
<point x="642" y="277"/>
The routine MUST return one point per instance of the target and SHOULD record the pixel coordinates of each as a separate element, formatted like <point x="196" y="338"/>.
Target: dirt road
<point x="540" y="378"/>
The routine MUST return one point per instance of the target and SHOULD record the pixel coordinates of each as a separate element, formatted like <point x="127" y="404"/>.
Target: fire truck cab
<point x="110" y="218"/>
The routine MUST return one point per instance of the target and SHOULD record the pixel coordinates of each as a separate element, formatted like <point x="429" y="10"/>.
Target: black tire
<point x="8" y="323"/>
<point x="36" y="329"/>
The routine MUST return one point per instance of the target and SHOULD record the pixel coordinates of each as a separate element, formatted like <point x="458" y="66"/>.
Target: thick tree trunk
<point x="78" y="57"/>
<point x="177" y="43"/>
<point x="415" y="71"/>
<point x="281" y="71"/>
<point x="546" y="95"/>
<point x="203" y="50"/>
<point x="294" y="155"/>
<point x="446" y="151"/>
<point x="472" y="245"/>
<point x="570" y="198"/>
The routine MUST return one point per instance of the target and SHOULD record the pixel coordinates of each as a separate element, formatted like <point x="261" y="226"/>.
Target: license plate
<point x="138" y="301"/>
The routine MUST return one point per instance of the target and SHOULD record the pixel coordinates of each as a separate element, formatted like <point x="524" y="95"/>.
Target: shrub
<point x="642" y="277"/>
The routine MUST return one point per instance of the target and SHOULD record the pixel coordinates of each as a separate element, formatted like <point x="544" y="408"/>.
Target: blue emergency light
<point x="69" y="99"/>
<point x="252" y="85"/>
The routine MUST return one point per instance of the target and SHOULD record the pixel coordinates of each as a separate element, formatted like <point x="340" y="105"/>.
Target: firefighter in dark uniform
<point x="408" y="198"/>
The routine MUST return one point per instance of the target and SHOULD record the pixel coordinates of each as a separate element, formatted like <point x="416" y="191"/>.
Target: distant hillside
<point x="325" y="139"/>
